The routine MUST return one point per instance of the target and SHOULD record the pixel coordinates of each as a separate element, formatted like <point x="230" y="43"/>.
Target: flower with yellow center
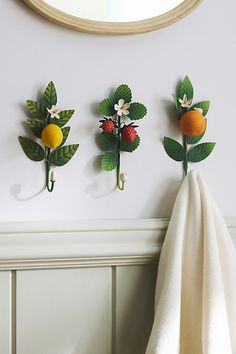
<point x="185" y="102"/>
<point x="54" y="112"/>
<point x="122" y="107"/>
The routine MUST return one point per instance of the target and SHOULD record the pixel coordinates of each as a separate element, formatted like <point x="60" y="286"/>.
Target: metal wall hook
<point x="50" y="178"/>
<point x="121" y="179"/>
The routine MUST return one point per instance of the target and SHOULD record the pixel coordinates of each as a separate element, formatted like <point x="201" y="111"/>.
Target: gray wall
<point x="84" y="69"/>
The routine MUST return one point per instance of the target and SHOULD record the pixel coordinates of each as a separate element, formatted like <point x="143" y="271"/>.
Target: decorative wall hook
<point x="121" y="179"/>
<point x="192" y="123"/>
<point x="50" y="178"/>
<point x="118" y="134"/>
<point x="46" y="122"/>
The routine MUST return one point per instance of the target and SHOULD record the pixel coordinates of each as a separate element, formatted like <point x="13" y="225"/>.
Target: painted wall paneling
<point x="64" y="311"/>
<point x="6" y="307"/>
<point x="79" y="288"/>
<point x="135" y="290"/>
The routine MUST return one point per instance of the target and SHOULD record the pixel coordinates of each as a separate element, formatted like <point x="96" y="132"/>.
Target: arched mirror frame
<point x="114" y="28"/>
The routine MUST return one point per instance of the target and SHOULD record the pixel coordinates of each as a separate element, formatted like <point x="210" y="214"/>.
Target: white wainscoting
<point x="79" y="287"/>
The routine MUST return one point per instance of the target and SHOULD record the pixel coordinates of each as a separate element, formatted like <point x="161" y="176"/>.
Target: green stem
<point x="48" y="165"/>
<point x="120" y="184"/>
<point x="185" y="162"/>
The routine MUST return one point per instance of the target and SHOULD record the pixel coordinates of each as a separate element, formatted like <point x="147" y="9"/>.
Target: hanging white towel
<point x="195" y="304"/>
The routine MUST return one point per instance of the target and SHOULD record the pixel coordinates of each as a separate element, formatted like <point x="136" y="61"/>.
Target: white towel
<point x="195" y="304"/>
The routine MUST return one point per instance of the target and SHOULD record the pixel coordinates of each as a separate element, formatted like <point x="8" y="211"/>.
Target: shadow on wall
<point x="167" y="191"/>
<point x="104" y="184"/>
<point x="16" y="189"/>
<point x="172" y="126"/>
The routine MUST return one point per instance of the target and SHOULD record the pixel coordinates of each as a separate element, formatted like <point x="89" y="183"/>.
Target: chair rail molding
<point x="68" y="244"/>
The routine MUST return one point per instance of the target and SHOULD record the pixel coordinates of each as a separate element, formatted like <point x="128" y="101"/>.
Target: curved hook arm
<point x="120" y="176"/>
<point x="120" y="181"/>
<point x="49" y="178"/>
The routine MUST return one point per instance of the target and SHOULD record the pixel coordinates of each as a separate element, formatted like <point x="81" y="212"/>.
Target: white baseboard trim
<point x="91" y="243"/>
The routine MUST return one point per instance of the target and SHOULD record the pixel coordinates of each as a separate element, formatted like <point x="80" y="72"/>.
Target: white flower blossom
<point x="122" y="107"/>
<point x="123" y="177"/>
<point x="185" y="102"/>
<point x="54" y="112"/>
<point x="198" y="109"/>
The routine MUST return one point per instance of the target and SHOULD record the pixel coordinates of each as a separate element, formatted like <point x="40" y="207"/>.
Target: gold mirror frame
<point x="114" y="28"/>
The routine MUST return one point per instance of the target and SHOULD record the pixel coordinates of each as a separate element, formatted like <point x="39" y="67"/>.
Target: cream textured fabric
<point x="196" y="284"/>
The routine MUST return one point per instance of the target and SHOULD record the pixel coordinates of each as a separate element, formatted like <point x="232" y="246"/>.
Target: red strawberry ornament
<point x="128" y="133"/>
<point x="108" y="126"/>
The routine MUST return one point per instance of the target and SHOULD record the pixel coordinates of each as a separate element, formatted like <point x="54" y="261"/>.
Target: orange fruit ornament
<point x="52" y="136"/>
<point x="192" y="123"/>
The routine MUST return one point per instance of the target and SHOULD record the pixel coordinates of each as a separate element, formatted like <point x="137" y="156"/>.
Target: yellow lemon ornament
<point x="52" y="136"/>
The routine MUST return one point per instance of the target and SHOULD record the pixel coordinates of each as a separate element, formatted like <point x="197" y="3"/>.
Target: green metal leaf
<point x="65" y="116"/>
<point x="137" y="111"/>
<point x="200" y="152"/>
<point x="33" y="106"/>
<point x="107" y="141"/>
<point x="36" y="127"/>
<point x="50" y="95"/>
<point x="123" y="91"/>
<point x="32" y="150"/>
<point x="177" y="105"/>
<point x="195" y="139"/>
<point x="204" y="105"/>
<point x="65" y="132"/>
<point x="186" y="88"/>
<point x="107" y="107"/>
<point x="109" y="161"/>
<point x="61" y="156"/>
<point x="174" y="149"/>
<point x="36" y="109"/>
<point x="130" y="146"/>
